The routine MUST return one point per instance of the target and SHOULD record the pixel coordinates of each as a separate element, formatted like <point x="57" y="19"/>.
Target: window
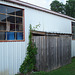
<point x="73" y="30"/>
<point x="11" y="23"/>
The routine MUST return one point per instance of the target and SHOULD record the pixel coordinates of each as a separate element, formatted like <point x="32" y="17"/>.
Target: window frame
<point x="72" y="29"/>
<point x="23" y="25"/>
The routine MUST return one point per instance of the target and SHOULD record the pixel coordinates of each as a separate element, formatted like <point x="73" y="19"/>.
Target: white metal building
<point x="15" y="18"/>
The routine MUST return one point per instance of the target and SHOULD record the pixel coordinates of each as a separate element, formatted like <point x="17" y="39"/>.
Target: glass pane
<point x="19" y="27"/>
<point x="2" y="9"/>
<point x="11" y="19"/>
<point x="2" y="35"/>
<point x="19" y="20"/>
<point x="19" y="35"/>
<point x="12" y="27"/>
<point x="2" y="18"/>
<point x="11" y="10"/>
<point x="2" y="26"/>
<point x="73" y="36"/>
<point x="73" y="23"/>
<point x="19" y="12"/>
<point x="10" y="35"/>
<point x="73" y="29"/>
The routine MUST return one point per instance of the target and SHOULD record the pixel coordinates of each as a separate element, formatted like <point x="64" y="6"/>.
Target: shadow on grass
<point x="65" y="70"/>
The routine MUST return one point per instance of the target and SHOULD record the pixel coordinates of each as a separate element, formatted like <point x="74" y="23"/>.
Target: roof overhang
<point x="48" y="33"/>
<point x="39" y="8"/>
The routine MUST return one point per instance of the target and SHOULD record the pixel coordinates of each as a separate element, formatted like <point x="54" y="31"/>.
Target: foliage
<point x="36" y="27"/>
<point x="57" y="7"/>
<point x="65" y="70"/>
<point x="28" y="64"/>
<point x="68" y="8"/>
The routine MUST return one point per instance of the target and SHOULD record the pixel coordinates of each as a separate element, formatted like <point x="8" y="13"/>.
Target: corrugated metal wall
<point x="11" y="56"/>
<point x="73" y="48"/>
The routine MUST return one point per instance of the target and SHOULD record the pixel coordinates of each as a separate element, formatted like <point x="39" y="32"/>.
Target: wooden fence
<point x="54" y="50"/>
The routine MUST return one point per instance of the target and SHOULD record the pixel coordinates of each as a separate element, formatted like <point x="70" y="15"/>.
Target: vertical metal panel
<point x="12" y="55"/>
<point x="73" y="48"/>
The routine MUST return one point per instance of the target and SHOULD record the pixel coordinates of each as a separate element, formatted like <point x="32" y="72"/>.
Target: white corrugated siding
<point x="12" y="54"/>
<point x="73" y="48"/>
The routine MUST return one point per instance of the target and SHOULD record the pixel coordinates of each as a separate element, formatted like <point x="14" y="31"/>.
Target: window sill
<point x="73" y="39"/>
<point x="12" y="40"/>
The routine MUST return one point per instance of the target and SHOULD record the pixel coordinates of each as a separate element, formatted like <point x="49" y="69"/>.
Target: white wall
<point x="49" y="22"/>
<point x="12" y="54"/>
<point x="73" y="48"/>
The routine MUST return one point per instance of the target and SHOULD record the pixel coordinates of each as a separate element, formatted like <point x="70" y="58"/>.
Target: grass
<point x="66" y="70"/>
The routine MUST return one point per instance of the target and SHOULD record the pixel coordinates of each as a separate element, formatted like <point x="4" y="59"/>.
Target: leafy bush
<point x="28" y="64"/>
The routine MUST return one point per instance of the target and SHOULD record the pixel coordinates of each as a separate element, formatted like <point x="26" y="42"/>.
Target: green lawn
<point x="66" y="70"/>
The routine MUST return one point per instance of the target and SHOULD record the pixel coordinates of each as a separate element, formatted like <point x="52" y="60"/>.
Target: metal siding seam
<point x="7" y="60"/>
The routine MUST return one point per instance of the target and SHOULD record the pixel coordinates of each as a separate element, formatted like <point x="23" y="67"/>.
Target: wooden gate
<point x="54" y="50"/>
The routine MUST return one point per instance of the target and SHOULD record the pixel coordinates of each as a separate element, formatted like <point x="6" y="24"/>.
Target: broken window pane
<point x="11" y="23"/>
<point x="11" y="10"/>
<point x="11" y="19"/>
<point x="2" y="18"/>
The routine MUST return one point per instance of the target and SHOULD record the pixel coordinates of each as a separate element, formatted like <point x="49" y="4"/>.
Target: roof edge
<point x="47" y="33"/>
<point x="39" y="8"/>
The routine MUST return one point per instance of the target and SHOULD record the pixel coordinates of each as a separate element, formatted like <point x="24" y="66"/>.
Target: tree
<point x="70" y="8"/>
<point x="67" y="9"/>
<point x="57" y="7"/>
<point x="28" y="64"/>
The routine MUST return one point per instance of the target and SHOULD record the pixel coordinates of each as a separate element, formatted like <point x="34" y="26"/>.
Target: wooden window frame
<point x="16" y="31"/>
<point x="71" y="29"/>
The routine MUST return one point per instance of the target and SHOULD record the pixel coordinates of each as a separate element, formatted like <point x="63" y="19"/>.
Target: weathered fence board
<point x="53" y="51"/>
<point x="58" y="52"/>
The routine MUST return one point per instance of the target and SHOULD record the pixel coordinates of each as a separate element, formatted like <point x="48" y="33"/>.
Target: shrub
<point x="28" y="64"/>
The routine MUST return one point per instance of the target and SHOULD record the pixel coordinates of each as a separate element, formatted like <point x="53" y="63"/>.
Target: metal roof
<point x="48" y="33"/>
<point x="39" y="8"/>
